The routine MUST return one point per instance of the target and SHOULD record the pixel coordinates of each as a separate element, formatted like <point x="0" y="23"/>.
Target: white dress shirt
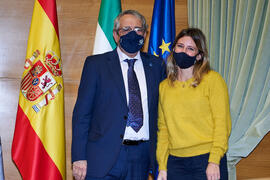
<point x="143" y="133"/>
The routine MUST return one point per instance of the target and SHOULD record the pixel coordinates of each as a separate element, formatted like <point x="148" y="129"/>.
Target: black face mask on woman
<point x="131" y="42"/>
<point x="183" y="60"/>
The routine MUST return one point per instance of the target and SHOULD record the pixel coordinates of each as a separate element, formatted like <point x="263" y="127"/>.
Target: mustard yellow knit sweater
<point x="193" y="121"/>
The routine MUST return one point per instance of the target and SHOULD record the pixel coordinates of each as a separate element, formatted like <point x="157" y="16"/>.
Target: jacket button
<point x="125" y="117"/>
<point x="121" y="136"/>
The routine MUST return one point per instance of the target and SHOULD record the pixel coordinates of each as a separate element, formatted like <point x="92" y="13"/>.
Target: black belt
<point x="132" y="142"/>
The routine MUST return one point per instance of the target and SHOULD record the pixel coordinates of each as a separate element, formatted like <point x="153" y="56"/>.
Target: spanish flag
<point x="38" y="147"/>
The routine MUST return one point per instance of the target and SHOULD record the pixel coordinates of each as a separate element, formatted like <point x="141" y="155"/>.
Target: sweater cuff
<point x="214" y="158"/>
<point x="162" y="167"/>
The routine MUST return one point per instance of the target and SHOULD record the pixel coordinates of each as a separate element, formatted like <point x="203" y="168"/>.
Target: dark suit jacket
<point x="100" y="113"/>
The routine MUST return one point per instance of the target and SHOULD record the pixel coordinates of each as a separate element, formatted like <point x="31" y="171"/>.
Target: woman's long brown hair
<point x="201" y="67"/>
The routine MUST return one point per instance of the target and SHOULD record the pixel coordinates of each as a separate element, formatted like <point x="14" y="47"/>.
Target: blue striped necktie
<point x="135" y="114"/>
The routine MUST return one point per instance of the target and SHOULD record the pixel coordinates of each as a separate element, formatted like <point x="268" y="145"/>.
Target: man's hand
<point x="162" y="175"/>
<point x="79" y="169"/>
<point x="212" y="171"/>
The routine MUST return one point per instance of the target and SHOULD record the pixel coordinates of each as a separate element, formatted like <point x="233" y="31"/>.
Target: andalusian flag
<point x="109" y="10"/>
<point x="38" y="148"/>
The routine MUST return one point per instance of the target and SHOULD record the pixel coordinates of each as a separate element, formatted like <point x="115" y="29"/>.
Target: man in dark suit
<point x="115" y="117"/>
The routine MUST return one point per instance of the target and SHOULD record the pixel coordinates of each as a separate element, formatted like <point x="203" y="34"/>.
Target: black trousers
<point x="193" y="168"/>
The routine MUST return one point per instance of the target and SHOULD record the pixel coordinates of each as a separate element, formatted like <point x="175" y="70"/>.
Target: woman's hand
<point x="162" y="175"/>
<point x="212" y="171"/>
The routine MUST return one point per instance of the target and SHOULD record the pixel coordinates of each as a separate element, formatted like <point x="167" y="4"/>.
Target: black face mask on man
<point x="131" y="42"/>
<point x="183" y="60"/>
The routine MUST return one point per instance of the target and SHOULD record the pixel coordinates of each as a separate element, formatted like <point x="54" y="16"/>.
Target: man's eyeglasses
<point x="127" y="29"/>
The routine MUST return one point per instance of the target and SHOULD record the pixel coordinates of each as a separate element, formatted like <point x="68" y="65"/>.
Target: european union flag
<point x="1" y="163"/>
<point x="162" y="28"/>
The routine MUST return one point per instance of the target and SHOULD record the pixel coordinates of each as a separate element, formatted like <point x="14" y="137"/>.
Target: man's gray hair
<point x="131" y="12"/>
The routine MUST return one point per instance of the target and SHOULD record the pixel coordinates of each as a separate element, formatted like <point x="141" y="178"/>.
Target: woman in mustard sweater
<point x="194" y="118"/>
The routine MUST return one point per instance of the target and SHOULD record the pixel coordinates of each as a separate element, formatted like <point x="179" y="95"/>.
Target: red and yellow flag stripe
<point x="38" y="148"/>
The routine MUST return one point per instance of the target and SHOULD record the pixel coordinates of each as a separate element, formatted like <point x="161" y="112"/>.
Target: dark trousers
<point x="132" y="164"/>
<point x="193" y="168"/>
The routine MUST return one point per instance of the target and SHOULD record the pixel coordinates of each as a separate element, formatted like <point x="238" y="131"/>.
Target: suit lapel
<point x="116" y="73"/>
<point x="147" y="65"/>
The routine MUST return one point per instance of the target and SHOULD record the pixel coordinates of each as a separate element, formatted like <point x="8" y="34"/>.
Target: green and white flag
<point x="104" y="42"/>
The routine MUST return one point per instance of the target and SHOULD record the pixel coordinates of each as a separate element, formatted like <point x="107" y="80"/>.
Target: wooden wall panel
<point x="257" y="164"/>
<point x="77" y="25"/>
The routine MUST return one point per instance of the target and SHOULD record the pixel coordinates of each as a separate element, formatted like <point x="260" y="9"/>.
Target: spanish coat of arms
<point x="40" y="78"/>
